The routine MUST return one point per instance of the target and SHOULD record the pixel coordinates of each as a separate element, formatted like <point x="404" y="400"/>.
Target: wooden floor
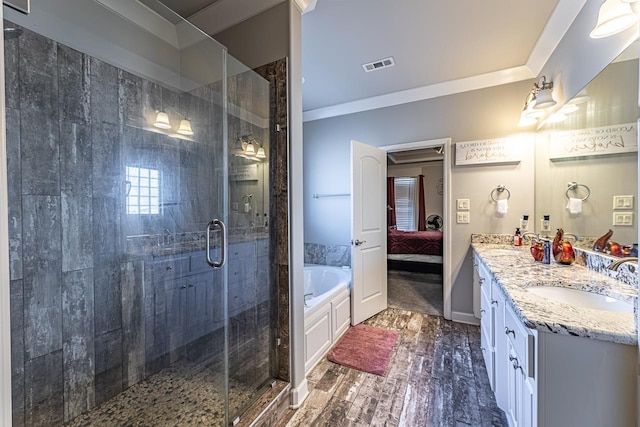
<point x="436" y="378"/>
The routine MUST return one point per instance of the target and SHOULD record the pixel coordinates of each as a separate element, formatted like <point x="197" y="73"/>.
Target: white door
<point x="368" y="231"/>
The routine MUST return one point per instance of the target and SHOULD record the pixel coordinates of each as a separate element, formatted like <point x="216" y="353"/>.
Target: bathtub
<point x="327" y="311"/>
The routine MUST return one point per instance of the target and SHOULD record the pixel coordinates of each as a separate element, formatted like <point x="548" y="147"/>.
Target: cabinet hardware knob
<point x="508" y="331"/>
<point x="493" y="301"/>
<point x="191" y="286"/>
<point x="183" y="286"/>
<point x="481" y="280"/>
<point x="512" y="358"/>
<point x="482" y="348"/>
<point x="169" y="267"/>
<point x="482" y="310"/>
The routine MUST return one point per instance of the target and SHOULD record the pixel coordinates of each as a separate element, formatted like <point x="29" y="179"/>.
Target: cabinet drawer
<point x="484" y="279"/>
<point x="521" y="339"/>
<point x="487" y="320"/>
<point x="170" y="267"/>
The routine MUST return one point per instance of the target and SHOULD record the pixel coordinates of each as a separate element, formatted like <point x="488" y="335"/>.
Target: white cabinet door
<point x="501" y="353"/>
<point x="514" y="392"/>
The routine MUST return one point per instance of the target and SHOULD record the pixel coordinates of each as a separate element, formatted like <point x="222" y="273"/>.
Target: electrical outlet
<point x="623" y="218"/>
<point x="464" y="204"/>
<point x="544" y="227"/>
<point x="622" y="202"/>
<point x="462" y="217"/>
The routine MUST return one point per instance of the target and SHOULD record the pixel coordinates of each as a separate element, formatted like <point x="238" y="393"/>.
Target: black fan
<point x="434" y="222"/>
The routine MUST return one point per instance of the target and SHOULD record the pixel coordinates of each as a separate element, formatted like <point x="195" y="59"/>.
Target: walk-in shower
<point x="121" y="142"/>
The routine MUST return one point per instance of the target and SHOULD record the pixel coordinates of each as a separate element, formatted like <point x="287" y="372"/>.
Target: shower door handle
<point x="223" y="243"/>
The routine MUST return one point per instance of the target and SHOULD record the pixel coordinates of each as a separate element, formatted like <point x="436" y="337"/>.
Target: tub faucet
<point x="305" y="298"/>
<point x="614" y="266"/>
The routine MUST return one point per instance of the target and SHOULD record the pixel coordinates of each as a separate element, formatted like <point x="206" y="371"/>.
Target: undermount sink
<point x="580" y="298"/>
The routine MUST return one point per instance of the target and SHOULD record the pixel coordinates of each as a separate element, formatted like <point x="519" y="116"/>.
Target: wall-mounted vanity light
<point x="539" y="98"/>
<point x="249" y="147"/>
<point x="616" y="16"/>
<point x="162" y="122"/>
<point x="543" y="94"/>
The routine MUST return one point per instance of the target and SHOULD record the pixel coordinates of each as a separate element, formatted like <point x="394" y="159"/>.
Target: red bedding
<point x="414" y="242"/>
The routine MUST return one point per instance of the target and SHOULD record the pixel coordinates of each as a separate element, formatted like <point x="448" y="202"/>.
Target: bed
<point x="414" y="246"/>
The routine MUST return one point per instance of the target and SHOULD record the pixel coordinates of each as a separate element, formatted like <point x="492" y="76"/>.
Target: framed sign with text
<point x="502" y="150"/>
<point x="596" y="141"/>
<point x="244" y="172"/>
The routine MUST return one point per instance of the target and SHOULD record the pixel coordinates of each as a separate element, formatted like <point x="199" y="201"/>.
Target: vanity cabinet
<point x="547" y="379"/>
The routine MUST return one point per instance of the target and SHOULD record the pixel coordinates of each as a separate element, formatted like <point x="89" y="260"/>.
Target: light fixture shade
<point x="532" y="113"/>
<point x="261" y="154"/>
<point x="250" y="150"/>
<point x="615" y="16"/>
<point x="185" y="128"/>
<point x="526" y="121"/>
<point x="162" y="120"/>
<point x="544" y="99"/>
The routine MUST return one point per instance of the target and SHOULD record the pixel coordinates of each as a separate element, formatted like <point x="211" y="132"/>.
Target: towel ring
<point x="499" y="189"/>
<point x="574" y="186"/>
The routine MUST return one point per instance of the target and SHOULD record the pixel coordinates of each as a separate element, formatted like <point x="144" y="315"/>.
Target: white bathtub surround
<point x="327" y="313"/>
<point x="515" y="270"/>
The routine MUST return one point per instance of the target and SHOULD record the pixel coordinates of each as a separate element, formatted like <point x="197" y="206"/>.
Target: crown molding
<point x="481" y="81"/>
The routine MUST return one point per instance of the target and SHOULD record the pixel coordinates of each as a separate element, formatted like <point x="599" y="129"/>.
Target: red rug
<point x="366" y="348"/>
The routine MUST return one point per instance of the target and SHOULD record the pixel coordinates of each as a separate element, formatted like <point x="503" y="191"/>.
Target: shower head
<point x="11" y="33"/>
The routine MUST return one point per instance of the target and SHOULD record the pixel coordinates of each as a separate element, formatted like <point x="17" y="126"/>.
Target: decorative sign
<point x="594" y="141"/>
<point x="504" y="150"/>
<point x="244" y="173"/>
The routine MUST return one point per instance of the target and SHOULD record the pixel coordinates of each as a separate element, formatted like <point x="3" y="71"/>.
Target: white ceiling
<point x="439" y="47"/>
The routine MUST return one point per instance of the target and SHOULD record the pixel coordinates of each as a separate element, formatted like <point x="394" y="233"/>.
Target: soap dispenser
<point x="517" y="238"/>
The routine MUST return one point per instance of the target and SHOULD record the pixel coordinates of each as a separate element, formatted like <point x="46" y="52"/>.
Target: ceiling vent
<point x="379" y="64"/>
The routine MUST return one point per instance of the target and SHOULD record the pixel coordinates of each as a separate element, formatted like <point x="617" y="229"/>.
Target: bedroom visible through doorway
<point x="415" y="221"/>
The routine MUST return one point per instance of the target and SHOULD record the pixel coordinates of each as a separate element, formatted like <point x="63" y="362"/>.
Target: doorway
<point x="419" y="276"/>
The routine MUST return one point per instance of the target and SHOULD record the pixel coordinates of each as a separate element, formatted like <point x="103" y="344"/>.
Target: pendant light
<point x="614" y="17"/>
<point x="261" y="154"/>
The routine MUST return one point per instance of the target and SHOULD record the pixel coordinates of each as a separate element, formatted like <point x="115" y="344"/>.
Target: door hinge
<point x="277" y="127"/>
<point x="278" y="342"/>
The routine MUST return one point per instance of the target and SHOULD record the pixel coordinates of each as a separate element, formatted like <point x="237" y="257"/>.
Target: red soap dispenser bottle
<point x="517" y="238"/>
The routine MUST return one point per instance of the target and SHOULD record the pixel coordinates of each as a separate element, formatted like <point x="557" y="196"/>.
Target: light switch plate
<point x="464" y="204"/>
<point x="623" y="218"/>
<point x="622" y="202"/>
<point x="462" y="217"/>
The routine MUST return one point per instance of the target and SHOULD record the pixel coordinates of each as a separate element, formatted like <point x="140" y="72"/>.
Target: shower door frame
<point x="5" y="326"/>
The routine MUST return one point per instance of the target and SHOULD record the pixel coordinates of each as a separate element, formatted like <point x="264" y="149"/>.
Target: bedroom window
<point x="406" y="190"/>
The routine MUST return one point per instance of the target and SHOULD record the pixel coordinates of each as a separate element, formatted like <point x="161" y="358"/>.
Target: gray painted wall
<point x="481" y="114"/>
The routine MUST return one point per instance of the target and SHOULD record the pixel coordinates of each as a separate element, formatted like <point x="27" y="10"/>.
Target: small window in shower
<point x="143" y="191"/>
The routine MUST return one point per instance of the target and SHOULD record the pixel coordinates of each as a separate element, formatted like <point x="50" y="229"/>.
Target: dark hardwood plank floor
<point x="436" y="378"/>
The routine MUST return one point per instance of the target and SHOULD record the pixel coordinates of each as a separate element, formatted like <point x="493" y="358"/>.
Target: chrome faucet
<point x="529" y="233"/>
<point x="614" y="266"/>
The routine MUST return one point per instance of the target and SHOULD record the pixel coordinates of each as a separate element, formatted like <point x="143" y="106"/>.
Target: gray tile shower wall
<point x="334" y="255"/>
<point x="78" y="323"/>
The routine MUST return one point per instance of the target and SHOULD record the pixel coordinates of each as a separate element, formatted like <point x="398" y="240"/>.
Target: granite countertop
<point x="515" y="270"/>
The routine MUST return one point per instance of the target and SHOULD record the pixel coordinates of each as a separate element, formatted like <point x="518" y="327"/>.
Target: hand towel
<point x="574" y="206"/>
<point x="503" y="206"/>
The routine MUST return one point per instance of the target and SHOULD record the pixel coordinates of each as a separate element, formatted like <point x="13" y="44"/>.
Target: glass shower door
<point x="118" y="161"/>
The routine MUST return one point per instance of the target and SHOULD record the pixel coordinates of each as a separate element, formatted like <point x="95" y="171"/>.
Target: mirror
<point x="592" y="155"/>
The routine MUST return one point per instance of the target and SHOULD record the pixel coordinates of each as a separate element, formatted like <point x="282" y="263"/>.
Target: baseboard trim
<point x="468" y="318"/>
<point x="299" y="394"/>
